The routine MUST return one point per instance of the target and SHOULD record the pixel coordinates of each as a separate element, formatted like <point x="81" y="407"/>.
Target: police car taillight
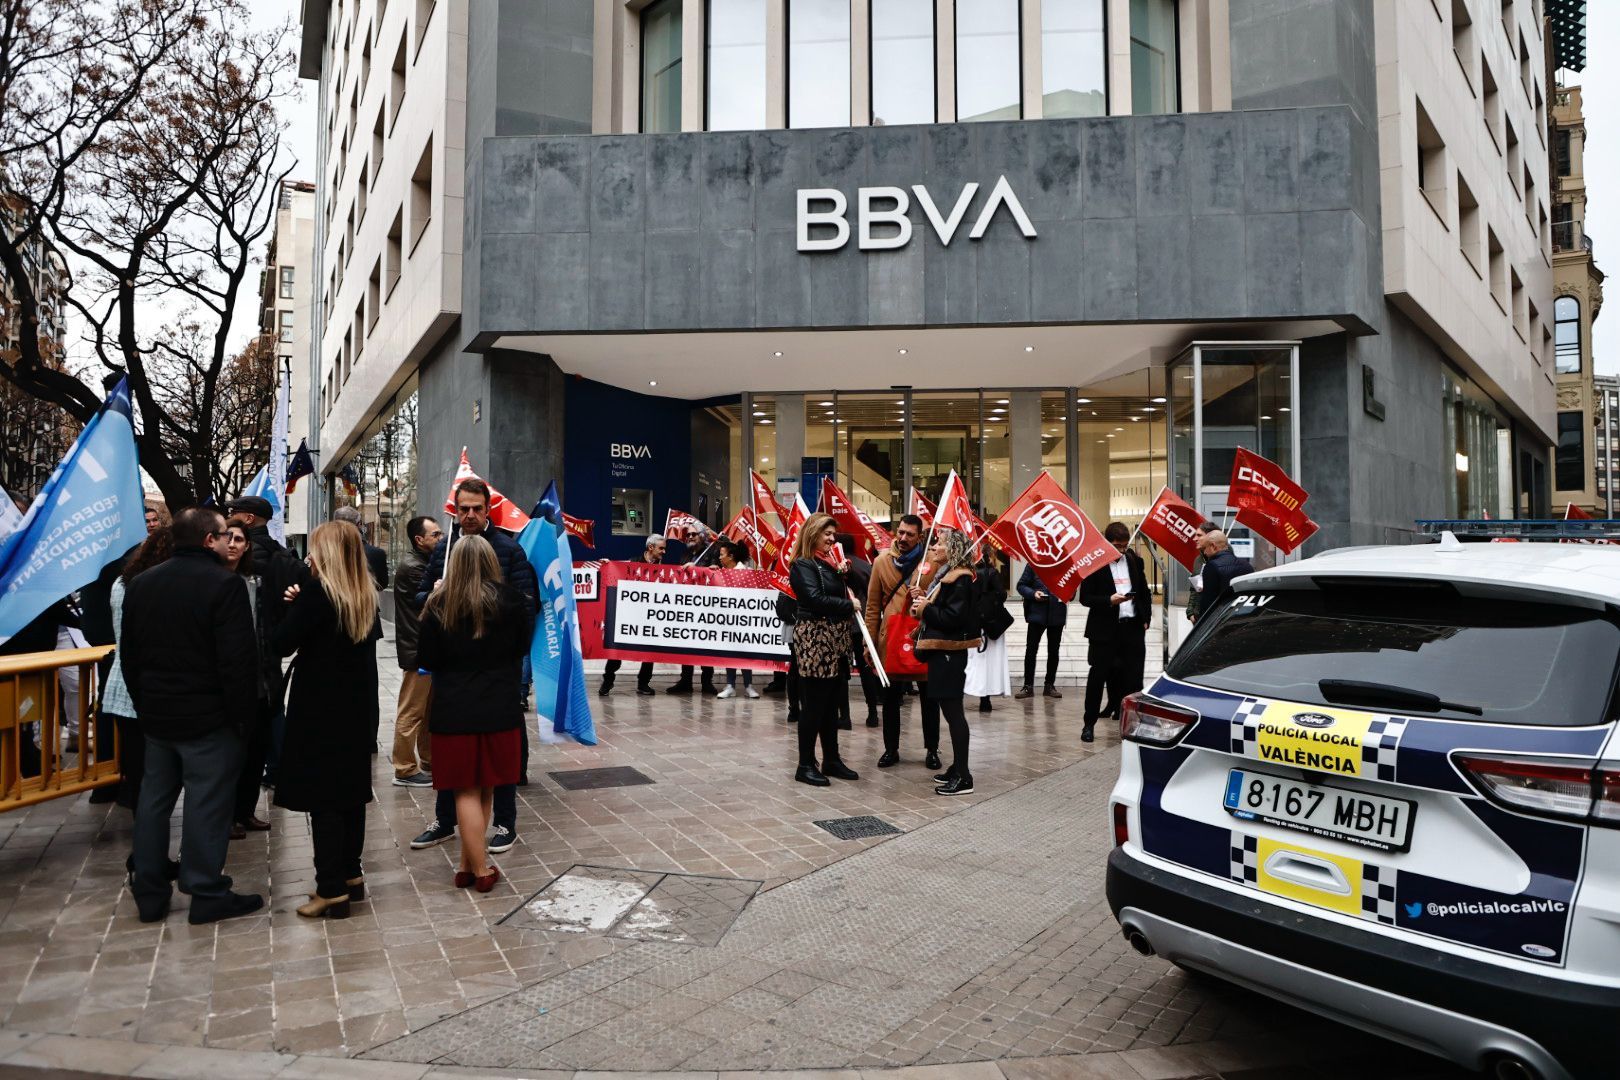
<point x="1152" y="722"/>
<point x="1573" y="789"/>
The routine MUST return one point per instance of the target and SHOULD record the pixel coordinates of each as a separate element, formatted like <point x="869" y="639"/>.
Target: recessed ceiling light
<point x="998" y="410"/>
<point x="777" y="353"/>
<point x="1029" y="348"/>
<point x="1149" y="408"/>
<point x="759" y="416"/>
<point x="652" y="382"/>
<point x="1003" y="401"/>
<point x="1110" y="434"/>
<point x="1265" y="416"/>
<point x="1284" y="409"/>
<point x="764" y="461"/>
<point x="1136" y="419"/>
<point x="824" y="403"/>
<point x="1119" y="429"/>
<point x="765" y="421"/>
<point x="902" y="352"/>
<point x="1064" y="417"/>
<point x="1158" y="401"/>
<point x="1101" y="441"/>
<point x="1082" y="401"/>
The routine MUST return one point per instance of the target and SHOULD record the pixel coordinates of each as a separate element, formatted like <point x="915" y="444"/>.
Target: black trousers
<point x="795" y="689"/>
<point x="131" y="759"/>
<point x="255" y="749"/>
<point x="1032" y="645"/>
<point x="1118" y="668"/>
<point x="956" y="718"/>
<point x="818" y="716"/>
<point x="708" y="676"/>
<point x="894" y="699"/>
<point x="339" y="836"/>
<point x="871" y="690"/>
<point x="611" y="672"/>
<point x="203" y="767"/>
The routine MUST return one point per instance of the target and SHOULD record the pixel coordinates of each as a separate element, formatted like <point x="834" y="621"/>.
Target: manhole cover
<point x="858" y="828"/>
<point x="588" y="779"/>
<point x="642" y="905"/>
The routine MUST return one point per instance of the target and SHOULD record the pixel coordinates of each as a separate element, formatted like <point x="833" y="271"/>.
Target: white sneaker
<point x="751" y="692"/>
<point x="728" y="692"/>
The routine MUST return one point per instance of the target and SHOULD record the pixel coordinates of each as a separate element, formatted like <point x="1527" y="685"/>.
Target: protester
<point x="1045" y="615"/>
<point x="475" y="630"/>
<point x="472" y="500"/>
<point x="821" y="642"/>
<point x="189" y="660"/>
<point x="278" y="569"/>
<point x="333" y="626"/>
<point x="859" y="579"/>
<point x="787" y="613"/>
<point x="1220" y="567"/>
<point x="115" y="700"/>
<point x="237" y="556"/>
<point x="734" y="556"/>
<point x="413" y="746"/>
<point x="1195" y="597"/>
<point x="376" y="557"/>
<point x="652" y="552"/>
<point x="949" y="633"/>
<point x="1119" y="607"/>
<point x="987" y="674"/>
<point x="888" y="595"/>
<point x="100" y="628"/>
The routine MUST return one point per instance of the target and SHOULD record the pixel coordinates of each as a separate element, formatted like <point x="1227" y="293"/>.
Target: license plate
<point x="1353" y="816"/>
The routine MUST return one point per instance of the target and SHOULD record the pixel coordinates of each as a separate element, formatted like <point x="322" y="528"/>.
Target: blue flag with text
<point x="91" y="512"/>
<point x="555" y="655"/>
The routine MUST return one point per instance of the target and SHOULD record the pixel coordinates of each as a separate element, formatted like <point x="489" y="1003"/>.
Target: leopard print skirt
<point x="821" y="646"/>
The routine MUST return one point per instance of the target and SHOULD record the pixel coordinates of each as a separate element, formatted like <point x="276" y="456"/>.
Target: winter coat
<point x="476" y="681"/>
<point x="407" y="608"/>
<point x="515" y="568"/>
<point x="1048" y="612"/>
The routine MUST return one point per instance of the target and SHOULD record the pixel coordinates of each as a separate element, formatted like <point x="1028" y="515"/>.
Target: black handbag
<point x="996" y="621"/>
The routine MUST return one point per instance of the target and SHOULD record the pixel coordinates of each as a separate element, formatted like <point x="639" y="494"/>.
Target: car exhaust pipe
<point x="1508" y="1067"/>
<point x="1138" y="941"/>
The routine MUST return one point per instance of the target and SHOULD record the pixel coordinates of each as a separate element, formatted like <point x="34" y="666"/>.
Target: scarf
<point x="908" y="562"/>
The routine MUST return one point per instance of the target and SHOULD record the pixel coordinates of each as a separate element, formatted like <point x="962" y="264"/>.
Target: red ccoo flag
<point x="763" y="545"/>
<point x="582" y="529"/>
<point x="679" y="525"/>
<point x="921" y="507"/>
<point x="1045" y="528"/>
<point x="795" y="521"/>
<point x="1172" y="523"/>
<point x="870" y="537"/>
<point x="1258" y="484"/>
<point x="1286" y="533"/>
<point x="503" y="512"/>
<point x="764" y="501"/>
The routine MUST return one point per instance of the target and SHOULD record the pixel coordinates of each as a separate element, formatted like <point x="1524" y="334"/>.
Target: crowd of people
<point x="206" y="612"/>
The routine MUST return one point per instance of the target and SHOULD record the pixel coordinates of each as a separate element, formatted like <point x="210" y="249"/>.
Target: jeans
<point x="894" y="699"/>
<point x="204" y="768"/>
<point x="339" y="837"/>
<point x="1032" y="645"/>
<point x="731" y="676"/>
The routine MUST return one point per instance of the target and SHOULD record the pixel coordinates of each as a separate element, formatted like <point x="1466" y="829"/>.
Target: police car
<point x="1383" y="785"/>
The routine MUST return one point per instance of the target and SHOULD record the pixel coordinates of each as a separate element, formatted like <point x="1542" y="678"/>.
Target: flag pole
<point x="866" y="636"/>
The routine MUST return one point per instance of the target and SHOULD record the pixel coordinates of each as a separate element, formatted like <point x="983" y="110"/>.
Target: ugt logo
<point x="1050" y="537"/>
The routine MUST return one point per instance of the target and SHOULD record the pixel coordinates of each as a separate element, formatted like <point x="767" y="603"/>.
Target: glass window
<point x="1561" y="151"/>
<point x="285" y="326"/>
<point x="989" y="67"/>
<point x="1074" y="66"/>
<point x="1567" y="337"/>
<point x="1571" y="464"/>
<point x="736" y="65"/>
<point x="818" y="63"/>
<point x="1475" y="448"/>
<point x="903" y="62"/>
<point x="286" y="282"/>
<point x="1155" y="59"/>
<point x="661" y="66"/>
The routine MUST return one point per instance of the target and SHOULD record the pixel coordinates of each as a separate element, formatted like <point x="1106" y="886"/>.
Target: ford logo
<point x="1313" y="719"/>
<point x="1540" y="951"/>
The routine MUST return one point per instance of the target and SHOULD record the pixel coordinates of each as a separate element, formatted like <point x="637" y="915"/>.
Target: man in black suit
<point x="1119" y="608"/>
<point x="376" y="557"/>
<point x="191" y="663"/>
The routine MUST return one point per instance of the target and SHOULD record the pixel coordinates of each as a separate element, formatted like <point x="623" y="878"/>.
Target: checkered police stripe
<point x="1378" y="893"/>
<point x="1245" y="865"/>
<point x="1245" y="727"/>
<point x="1382" y="746"/>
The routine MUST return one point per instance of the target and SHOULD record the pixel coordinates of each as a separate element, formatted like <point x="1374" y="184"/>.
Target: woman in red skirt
<point x="474" y="632"/>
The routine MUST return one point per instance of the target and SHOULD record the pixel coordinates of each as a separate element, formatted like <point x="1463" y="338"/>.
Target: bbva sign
<point x="892" y="214"/>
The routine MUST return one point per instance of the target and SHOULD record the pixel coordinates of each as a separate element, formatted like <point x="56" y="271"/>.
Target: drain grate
<point x="858" y="828"/>
<point x="642" y="905"/>
<point x="591" y="779"/>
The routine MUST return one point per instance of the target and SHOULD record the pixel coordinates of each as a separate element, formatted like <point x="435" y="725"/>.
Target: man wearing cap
<point x="278" y="569"/>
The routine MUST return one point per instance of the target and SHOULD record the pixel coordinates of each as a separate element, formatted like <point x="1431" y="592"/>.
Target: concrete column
<point x="692" y="88"/>
<point x="1119" y="57"/>
<point x="945" y="60"/>
<point x="1030" y="48"/>
<point x="776" y="64"/>
<point x="860" y="63"/>
<point x="789" y="434"/>
<point x="1024" y="425"/>
<point x="1095" y="495"/>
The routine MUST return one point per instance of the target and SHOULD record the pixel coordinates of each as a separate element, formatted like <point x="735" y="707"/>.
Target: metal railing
<point x="1569" y="236"/>
<point x="34" y="765"/>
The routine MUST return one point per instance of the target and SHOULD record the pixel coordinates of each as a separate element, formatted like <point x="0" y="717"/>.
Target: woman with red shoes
<point x="475" y="629"/>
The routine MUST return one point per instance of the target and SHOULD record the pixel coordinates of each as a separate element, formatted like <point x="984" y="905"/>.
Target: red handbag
<point x="900" y="658"/>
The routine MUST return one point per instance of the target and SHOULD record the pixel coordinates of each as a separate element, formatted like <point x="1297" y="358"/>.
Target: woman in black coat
<point x="949" y="631"/>
<point x="474" y="634"/>
<point x="821" y="643"/>
<point x="325" y="768"/>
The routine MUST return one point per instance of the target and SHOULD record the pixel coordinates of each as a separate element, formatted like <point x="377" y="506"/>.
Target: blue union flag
<point x="90" y="513"/>
<point x="555" y="655"/>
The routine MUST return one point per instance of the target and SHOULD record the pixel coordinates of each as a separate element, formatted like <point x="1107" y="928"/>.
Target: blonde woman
<point x="821" y="642"/>
<point x="325" y="766"/>
<point x="475" y="631"/>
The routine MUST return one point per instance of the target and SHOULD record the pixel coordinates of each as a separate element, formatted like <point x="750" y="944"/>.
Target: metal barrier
<point x="32" y="703"/>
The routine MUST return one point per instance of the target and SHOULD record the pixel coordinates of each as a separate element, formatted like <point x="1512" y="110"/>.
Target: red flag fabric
<point x="1258" y="484"/>
<point x="503" y="512"/>
<point x="1285" y="533"/>
<point x="922" y="507"/>
<point x="1575" y="513"/>
<point x="749" y="529"/>
<point x="679" y="525"/>
<point x="764" y="501"/>
<point x="790" y="539"/>
<point x="870" y="537"/>
<point x="1172" y="523"/>
<point x="1045" y="528"/>
<point x="582" y="529"/>
<point x="954" y="510"/>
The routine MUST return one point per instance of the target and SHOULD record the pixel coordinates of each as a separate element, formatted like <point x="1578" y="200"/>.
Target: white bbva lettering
<point x="629" y="450"/>
<point x="868" y="214"/>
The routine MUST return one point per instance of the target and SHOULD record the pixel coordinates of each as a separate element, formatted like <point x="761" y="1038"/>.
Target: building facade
<point x="285" y="314"/>
<point x="1579" y="472"/>
<point x="34" y="434"/>
<point x="648" y="246"/>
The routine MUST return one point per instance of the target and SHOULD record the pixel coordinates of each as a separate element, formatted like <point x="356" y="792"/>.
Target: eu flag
<point x="91" y="512"/>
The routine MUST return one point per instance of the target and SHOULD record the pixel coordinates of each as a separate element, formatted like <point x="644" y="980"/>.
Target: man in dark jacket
<point x="190" y="660"/>
<point x="376" y="557"/>
<point x="1045" y="614"/>
<point x="1220" y="567"/>
<point x="413" y="748"/>
<point x="277" y="568"/>
<point x="1119" y="607"/>
<point x="472" y="519"/>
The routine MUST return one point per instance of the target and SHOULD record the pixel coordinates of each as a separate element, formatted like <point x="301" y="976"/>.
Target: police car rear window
<point x="1516" y="662"/>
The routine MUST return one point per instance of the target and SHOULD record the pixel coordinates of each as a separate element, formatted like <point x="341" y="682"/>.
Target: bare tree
<point x="237" y="441"/>
<point x="141" y="138"/>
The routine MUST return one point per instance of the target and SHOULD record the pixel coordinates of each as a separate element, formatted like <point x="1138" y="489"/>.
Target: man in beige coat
<point x="887" y="594"/>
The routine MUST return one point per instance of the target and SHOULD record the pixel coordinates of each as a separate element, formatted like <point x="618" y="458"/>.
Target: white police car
<point x="1383" y="785"/>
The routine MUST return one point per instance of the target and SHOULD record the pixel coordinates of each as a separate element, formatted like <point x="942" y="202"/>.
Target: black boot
<point x="984" y="704"/>
<point x="837" y="769"/>
<point x="932" y="760"/>
<point x="809" y="774"/>
<point x="606" y="687"/>
<point x="777" y="685"/>
<point x="684" y="686"/>
<point x="1086" y="733"/>
<point x="961" y="784"/>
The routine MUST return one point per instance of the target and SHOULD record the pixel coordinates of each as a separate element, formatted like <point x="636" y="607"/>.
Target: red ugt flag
<point x="503" y="512"/>
<point x="1172" y="523"/>
<point x="1285" y="534"/>
<point x="870" y="537"/>
<point x="1045" y="528"/>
